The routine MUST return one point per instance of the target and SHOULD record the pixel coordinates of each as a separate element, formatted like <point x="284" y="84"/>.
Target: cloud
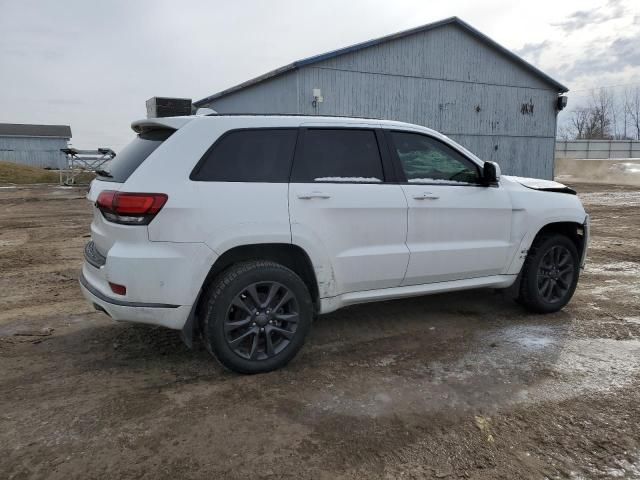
<point x="603" y="56"/>
<point x="627" y="49"/>
<point x="93" y="64"/>
<point x="532" y="51"/>
<point x="581" y="18"/>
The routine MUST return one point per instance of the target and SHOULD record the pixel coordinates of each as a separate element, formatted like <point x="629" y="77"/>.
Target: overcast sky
<point x="93" y="64"/>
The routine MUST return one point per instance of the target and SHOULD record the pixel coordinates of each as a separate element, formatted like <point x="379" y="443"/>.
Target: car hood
<point x="540" y="184"/>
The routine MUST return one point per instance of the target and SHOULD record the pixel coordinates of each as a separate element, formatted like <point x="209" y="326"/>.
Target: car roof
<point x="288" y="119"/>
<point x="322" y="120"/>
<point x="252" y="120"/>
<point x="257" y="120"/>
<point x="272" y="119"/>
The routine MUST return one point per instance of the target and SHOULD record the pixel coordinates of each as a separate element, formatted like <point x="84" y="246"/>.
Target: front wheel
<point x="257" y="317"/>
<point x="549" y="274"/>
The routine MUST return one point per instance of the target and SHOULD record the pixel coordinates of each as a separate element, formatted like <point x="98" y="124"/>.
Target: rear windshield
<point x="132" y="156"/>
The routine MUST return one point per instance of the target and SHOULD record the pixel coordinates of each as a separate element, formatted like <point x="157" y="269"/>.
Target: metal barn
<point x="34" y="145"/>
<point x="445" y="75"/>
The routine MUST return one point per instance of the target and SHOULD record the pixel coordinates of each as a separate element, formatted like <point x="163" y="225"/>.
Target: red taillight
<point x="130" y="208"/>
<point x="119" y="289"/>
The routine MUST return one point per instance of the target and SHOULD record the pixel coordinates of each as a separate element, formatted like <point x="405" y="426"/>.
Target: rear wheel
<point x="550" y="274"/>
<point x="257" y="317"/>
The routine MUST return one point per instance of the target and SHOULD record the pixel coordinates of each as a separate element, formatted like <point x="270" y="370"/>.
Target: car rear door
<point x="458" y="227"/>
<point x="344" y="211"/>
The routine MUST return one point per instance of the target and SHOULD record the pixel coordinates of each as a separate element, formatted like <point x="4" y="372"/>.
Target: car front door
<point x="343" y="210"/>
<point x="458" y="227"/>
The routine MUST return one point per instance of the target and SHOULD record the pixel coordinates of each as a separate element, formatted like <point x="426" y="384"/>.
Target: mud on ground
<point x="464" y="385"/>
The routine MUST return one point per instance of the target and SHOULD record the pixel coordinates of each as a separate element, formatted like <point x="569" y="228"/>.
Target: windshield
<point x="132" y="156"/>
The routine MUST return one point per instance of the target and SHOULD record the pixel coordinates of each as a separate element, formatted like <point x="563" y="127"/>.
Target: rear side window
<point x="338" y="155"/>
<point x="258" y="155"/>
<point x="132" y="156"/>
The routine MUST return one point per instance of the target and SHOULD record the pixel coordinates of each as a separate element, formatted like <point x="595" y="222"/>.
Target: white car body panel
<point x="456" y="232"/>
<point x="362" y="229"/>
<point x="230" y="219"/>
<point x="366" y="241"/>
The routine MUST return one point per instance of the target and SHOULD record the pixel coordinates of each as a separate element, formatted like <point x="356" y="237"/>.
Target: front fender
<point x="535" y="225"/>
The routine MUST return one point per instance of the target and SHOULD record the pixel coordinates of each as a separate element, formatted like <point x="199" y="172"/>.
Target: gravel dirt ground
<point x="464" y="385"/>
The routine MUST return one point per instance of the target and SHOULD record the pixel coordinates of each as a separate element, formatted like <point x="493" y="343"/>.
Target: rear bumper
<point x="162" y="280"/>
<point x="162" y="314"/>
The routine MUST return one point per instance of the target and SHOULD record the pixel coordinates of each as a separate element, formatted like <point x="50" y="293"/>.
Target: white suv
<point x="243" y="227"/>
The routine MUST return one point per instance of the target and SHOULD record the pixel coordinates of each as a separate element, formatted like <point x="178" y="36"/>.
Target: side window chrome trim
<point x="444" y="184"/>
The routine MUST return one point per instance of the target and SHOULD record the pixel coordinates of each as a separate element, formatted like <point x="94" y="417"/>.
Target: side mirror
<point x="491" y="173"/>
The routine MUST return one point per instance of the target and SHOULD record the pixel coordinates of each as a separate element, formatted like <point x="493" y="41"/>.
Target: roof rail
<point x="288" y="115"/>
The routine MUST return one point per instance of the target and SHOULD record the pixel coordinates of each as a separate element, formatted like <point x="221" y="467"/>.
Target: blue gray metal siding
<point x="277" y="95"/>
<point x="448" y="52"/>
<point x="444" y="78"/>
<point x="33" y="151"/>
<point x="478" y="36"/>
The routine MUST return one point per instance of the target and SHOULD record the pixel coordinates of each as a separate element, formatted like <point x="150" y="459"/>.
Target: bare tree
<point x="625" y="116"/>
<point x="565" y="132"/>
<point x="601" y="111"/>
<point x="606" y="116"/>
<point x="579" y="122"/>
<point x="632" y="107"/>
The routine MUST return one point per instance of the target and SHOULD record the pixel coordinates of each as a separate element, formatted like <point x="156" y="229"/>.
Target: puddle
<point x="501" y="368"/>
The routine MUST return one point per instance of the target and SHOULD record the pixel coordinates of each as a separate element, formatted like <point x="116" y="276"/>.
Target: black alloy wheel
<point x="256" y="316"/>
<point x="261" y="320"/>
<point x="555" y="274"/>
<point x="550" y="273"/>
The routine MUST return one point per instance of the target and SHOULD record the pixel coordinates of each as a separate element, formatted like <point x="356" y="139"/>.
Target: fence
<point x="597" y="149"/>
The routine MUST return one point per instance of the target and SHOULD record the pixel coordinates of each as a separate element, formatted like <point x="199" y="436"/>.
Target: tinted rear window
<point x="329" y="155"/>
<point x="255" y="155"/>
<point x="132" y="156"/>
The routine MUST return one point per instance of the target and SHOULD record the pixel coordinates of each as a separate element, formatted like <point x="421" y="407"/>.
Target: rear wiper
<point x="104" y="173"/>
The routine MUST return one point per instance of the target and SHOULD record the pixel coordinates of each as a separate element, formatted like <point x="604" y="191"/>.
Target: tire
<point x="257" y="316"/>
<point x="549" y="274"/>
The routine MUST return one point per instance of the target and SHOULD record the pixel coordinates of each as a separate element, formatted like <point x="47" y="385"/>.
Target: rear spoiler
<point x="166" y="123"/>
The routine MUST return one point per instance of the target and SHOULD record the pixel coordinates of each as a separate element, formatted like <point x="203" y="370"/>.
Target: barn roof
<point x="376" y="41"/>
<point x="28" y="130"/>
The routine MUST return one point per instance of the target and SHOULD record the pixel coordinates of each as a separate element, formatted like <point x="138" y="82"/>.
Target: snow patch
<point x="438" y="180"/>
<point x="612" y="199"/>
<point x="625" y="269"/>
<point x="348" y="179"/>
